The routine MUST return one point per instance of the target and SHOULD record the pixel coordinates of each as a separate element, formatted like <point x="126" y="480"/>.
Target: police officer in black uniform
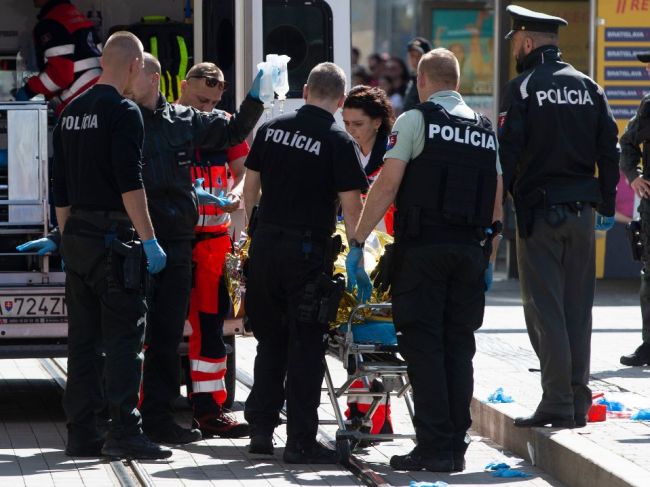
<point x="302" y="162"/>
<point x="635" y="148"/>
<point x="555" y="128"/>
<point x="442" y="167"/>
<point x="99" y="199"/>
<point x="173" y="132"/>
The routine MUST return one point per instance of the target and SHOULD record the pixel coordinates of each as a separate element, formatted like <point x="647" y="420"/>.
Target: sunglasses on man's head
<point x="211" y="82"/>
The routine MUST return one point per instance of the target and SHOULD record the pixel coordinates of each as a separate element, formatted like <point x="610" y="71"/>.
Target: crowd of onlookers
<point x="391" y="73"/>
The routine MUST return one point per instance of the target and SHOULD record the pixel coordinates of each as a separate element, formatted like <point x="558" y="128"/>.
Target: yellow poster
<point x="623" y="32"/>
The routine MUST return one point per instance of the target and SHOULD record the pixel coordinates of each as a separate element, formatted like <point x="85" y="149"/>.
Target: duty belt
<point x="93" y="215"/>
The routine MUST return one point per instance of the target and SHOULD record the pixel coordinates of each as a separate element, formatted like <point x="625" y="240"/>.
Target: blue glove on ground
<point x="254" y="92"/>
<point x="604" y="223"/>
<point x="42" y="246"/>
<point x="489" y="275"/>
<point x="357" y="275"/>
<point x="156" y="256"/>
<point x="508" y="472"/>
<point x="206" y="198"/>
<point x="22" y="95"/>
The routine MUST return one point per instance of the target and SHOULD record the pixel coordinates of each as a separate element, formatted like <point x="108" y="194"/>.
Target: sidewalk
<point x="611" y="453"/>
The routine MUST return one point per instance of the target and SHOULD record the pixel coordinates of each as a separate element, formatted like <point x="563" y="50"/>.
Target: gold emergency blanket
<point x="372" y="252"/>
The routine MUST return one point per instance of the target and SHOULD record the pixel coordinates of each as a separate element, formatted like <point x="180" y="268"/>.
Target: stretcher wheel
<point x="231" y="371"/>
<point x="344" y="449"/>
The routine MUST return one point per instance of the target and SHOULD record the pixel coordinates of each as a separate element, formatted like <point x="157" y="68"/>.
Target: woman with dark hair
<point x="368" y="118"/>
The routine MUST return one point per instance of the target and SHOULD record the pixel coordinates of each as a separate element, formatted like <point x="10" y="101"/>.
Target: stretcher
<point x="367" y="348"/>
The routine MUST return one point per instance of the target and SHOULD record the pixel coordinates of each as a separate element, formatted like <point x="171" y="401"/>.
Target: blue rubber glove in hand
<point x="22" y="95"/>
<point x="42" y="246"/>
<point x="156" y="256"/>
<point x="254" y="92"/>
<point x="206" y="198"/>
<point x="357" y="275"/>
<point x="489" y="275"/>
<point x="604" y="223"/>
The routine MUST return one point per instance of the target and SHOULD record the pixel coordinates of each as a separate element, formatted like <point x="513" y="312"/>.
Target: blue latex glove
<point x="604" y="223"/>
<point x="156" y="256"/>
<point x="499" y="396"/>
<point x="22" y="95"/>
<point x="496" y="466"/>
<point x="357" y="275"/>
<point x="508" y="472"/>
<point x="641" y="415"/>
<point x="254" y="92"/>
<point x="206" y="198"/>
<point x="489" y="275"/>
<point x="42" y="246"/>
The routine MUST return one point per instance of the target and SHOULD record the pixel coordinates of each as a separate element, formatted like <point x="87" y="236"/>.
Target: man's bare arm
<point x="252" y="188"/>
<point x="351" y="206"/>
<point x="238" y="171"/>
<point x="381" y="195"/>
<point x="135" y="203"/>
<point x="62" y="214"/>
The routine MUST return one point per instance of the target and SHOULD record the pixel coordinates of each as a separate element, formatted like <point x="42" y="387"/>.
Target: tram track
<point x="126" y="473"/>
<point x="129" y="472"/>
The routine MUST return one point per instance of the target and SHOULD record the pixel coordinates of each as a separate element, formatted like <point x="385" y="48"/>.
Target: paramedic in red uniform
<point x="209" y="301"/>
<point x="67" y="52"/>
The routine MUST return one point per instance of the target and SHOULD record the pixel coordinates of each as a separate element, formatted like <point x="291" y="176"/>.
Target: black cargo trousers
<point x="168" y="300"/>
<point x="644" y="292"/>
<point x="290" y="350"/>
<point x="438" y="303"/>
<point x="103" y="318"/>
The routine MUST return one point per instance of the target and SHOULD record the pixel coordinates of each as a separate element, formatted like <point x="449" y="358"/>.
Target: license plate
<point x="32" y="309"/>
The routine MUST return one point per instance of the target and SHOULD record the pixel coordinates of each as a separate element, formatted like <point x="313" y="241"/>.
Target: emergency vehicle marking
<point x="75" y="122"/>
<point x="571" y="97"/>
<point x="303" y="142"/>
<point x="470" y="137"/>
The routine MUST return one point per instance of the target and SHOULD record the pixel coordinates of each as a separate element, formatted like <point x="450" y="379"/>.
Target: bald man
<point x="174" y="132"/>
<point x="100" y="204"/>
<point x="442" y="170"/>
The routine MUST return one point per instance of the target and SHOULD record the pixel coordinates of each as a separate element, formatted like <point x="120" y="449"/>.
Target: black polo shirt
<point x="97" y="150"/>
<point x="304" y="159"/>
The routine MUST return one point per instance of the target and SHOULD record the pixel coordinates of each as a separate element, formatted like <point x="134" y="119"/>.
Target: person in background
<point x="67" y="52"/>
<point x="635" y="164"/>
<point x="416" y="49"/>
<point x="398" y="75"/>
<point x="368" y="118"/>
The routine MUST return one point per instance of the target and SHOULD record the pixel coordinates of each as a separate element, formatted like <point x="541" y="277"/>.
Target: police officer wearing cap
<point x="442" y="171"/>
<point x="555" y="131"/>
<point x="303" y="163"/>
<point x="418" y="47"/>
<point x="635" y="148"/>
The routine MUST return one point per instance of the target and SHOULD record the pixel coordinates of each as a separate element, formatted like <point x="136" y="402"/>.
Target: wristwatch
<point x="354" y="243"/>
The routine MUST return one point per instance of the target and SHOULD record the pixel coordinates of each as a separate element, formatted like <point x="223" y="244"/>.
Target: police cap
<point x="529" y="20"/>
<point x="644" y="57"/>
<point x="419" y="44"/>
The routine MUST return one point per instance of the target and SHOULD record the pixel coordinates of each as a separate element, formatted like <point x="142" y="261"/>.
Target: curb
<point x="565" y="454"/>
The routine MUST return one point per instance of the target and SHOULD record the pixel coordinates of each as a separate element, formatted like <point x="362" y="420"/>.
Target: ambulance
<point x="235" y="34"/>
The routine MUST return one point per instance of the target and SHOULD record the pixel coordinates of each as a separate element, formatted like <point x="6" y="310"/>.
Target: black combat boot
<point x="640" y="357"/>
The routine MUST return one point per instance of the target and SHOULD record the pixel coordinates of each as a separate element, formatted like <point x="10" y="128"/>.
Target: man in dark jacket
<point x="172" y="132"/>
<point x="555" y="128"/>
<point x="635" y="160"/>
<point x="418" y="47"/>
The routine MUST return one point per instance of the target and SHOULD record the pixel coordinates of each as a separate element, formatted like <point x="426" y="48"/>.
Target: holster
<point x="525" y="213"/>
<point x="321" y="299"/>
<point x="127" y="263"/>
<point x="634" y="237"/>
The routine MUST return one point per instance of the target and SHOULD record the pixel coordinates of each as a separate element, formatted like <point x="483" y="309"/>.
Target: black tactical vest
<point x="453" y="181"/>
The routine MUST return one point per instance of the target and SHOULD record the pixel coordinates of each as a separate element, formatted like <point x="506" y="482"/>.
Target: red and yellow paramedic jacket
<point x="67" y="51"/>
<point x="211" y="166"/>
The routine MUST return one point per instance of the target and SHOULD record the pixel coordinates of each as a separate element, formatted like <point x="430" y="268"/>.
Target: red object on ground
<point x="597" y="413"/>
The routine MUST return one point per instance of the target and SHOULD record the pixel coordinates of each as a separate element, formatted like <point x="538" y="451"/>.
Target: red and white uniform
<point x="209" y="301"/>
<point x="67" y="51"/>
